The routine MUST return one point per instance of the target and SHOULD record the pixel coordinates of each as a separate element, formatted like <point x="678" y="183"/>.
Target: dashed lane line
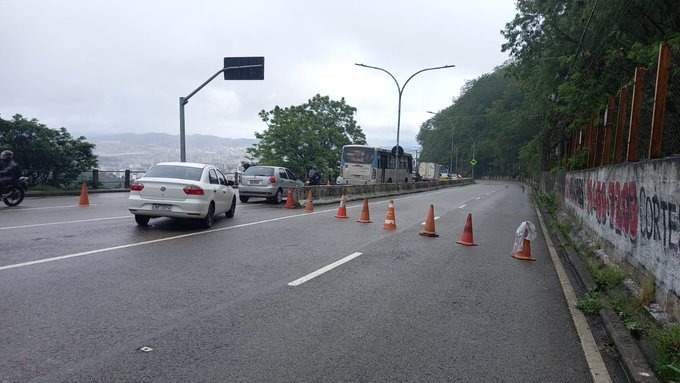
<point x="324" y="269"/>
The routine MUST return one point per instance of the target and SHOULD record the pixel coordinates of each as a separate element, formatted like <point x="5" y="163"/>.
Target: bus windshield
<point x="359" y="155"/>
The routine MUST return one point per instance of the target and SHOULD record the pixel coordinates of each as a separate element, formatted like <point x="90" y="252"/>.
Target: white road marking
<point x="598" y="369"/>
<point x="462" y="206"/>
<point x="97" y="251"/>
<point x="64" y="222"/>
<point x="324" y="269"/>
<point x="45" y="208"/>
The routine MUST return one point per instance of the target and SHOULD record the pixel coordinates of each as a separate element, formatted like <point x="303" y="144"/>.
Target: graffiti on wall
<point x="627" y="210"/>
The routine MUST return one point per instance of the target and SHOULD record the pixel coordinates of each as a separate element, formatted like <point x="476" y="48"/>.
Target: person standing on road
<point x="9" y="170"/>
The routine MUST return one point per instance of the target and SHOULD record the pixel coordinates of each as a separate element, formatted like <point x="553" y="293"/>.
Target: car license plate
<point x="161" y="207"/>
<point x="254" y="182"/>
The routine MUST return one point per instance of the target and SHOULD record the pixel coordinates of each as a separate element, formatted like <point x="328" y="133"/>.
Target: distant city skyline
<point x="139" y="151"/>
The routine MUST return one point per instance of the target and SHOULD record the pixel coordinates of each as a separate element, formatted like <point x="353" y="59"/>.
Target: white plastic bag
<point x="526" y="230"/>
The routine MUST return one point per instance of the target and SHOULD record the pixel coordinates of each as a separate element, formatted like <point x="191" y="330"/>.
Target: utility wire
<point x="580" y="43"/>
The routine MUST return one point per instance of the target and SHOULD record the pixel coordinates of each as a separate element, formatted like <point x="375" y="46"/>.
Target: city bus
<point x="363" y="165"/>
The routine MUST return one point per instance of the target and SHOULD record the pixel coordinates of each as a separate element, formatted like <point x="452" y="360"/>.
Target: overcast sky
<point x="98" y="67"/>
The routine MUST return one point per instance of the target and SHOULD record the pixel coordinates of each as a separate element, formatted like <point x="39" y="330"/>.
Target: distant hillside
<point x="140" y="151"/>
<point x="116" y="144"/>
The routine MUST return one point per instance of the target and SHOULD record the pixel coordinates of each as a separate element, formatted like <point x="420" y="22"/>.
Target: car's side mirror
<point x="230" y="182"/>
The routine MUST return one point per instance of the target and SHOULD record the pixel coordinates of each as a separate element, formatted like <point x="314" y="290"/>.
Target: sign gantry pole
<point x="234" y="68"/>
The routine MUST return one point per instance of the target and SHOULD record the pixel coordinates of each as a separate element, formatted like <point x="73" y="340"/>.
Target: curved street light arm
<point x="399" y="88"/>
<point x="401" y="91"/>
<point x="425" y="70"/>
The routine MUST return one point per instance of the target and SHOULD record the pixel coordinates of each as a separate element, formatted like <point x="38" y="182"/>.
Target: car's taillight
<point x="136" y="186"/>
<point x="193" y="190"/>
<point x="272" y="179"/>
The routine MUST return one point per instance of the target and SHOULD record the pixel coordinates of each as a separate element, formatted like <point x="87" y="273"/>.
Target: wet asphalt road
<point x="87" y="295"/>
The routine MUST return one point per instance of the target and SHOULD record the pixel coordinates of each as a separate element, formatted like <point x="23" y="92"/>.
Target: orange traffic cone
<point x="342" y="210"/>
<point x="309" y="207"/>
<point x="525" y="252"/>
<point x="429" y="224"/>
<point x="290" y="200"/>
<point x="84" y="200"/>
<point x="365" y="216"/>
<point x="466" y="238"/>
<point x="390" y="220"/>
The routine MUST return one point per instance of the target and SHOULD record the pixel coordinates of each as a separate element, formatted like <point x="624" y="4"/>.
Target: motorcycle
<point x="13" y="194"/>
<point x="314" y="180"/>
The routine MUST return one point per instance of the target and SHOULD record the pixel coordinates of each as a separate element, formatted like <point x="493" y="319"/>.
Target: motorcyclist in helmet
<point x="313" y="176"/>
<point x="9" y="170"/>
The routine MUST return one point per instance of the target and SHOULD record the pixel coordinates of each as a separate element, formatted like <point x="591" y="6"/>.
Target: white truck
<point x="429" y="171"/>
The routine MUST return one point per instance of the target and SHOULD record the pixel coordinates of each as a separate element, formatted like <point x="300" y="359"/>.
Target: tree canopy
<point x="311" y="134"/>
<point x="566" y="58"/>
<point x="49" y="156"/>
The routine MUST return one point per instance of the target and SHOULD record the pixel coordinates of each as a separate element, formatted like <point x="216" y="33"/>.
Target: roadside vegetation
<point x="630" y="300"/>
<point x="51" y="158"/>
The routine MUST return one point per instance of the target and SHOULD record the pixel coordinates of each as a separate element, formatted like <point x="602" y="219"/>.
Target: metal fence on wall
<point x="641" y="122"/>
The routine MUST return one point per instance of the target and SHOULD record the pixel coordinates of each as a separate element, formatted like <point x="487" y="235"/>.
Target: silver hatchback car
<point x="268" y="182"/>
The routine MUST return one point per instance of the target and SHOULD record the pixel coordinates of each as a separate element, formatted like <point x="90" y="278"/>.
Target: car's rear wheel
<point x="243" y="199"/>
<point x="278" y="197"/>
<point x="142" y="220"/>
<point x="208" y="220"/>
<point x="232" y="210"/>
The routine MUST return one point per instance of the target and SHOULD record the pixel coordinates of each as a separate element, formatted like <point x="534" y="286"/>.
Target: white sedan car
<point x="182" y="190"/>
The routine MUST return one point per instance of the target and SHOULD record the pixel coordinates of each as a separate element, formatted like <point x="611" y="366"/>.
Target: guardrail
<point x="321" y="193"/>
<point x="333" y="193"/>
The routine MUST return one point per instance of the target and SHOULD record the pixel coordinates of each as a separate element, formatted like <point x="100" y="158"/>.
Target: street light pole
<point x="452" y="132"/>
<point x="473" y="153"/>
<point x="401" y="91"/>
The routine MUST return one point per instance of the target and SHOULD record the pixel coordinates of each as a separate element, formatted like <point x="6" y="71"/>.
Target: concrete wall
<point x="632" y="210"/>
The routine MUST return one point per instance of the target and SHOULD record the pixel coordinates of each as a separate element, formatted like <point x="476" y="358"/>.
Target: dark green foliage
<point x="566" y="59"/>
<point x="591" y="304"/>
<point x="492" y="112"/>
<point x="48" y="156"/>
<point x="609" y="277"/>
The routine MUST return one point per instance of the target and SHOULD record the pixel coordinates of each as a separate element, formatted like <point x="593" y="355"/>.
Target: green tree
<point x="49" y="156"/>
<point x="492" y="111"/>
<point x="311" y="134"/>
<point x="571" y="55"/>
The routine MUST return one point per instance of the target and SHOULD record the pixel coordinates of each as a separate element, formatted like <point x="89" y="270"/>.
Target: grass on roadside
<point x="610" y="291"/>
